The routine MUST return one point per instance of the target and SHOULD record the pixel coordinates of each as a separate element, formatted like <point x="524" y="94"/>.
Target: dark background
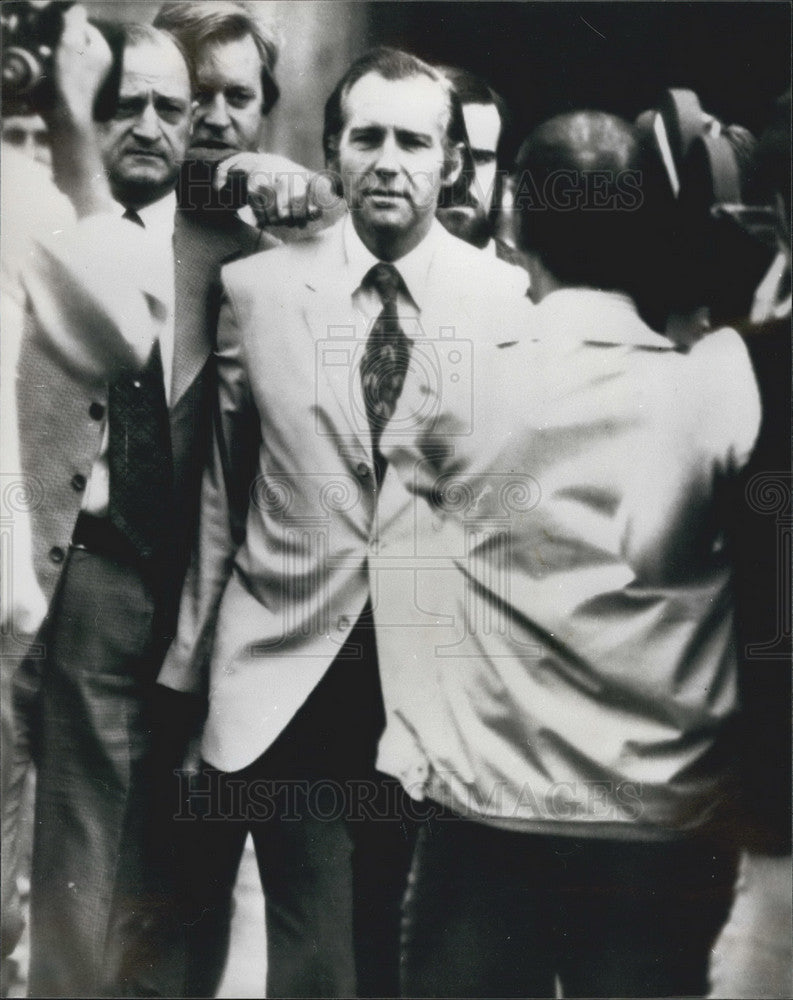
<point x="544" y="57"/>
<point x="551" y="57"/>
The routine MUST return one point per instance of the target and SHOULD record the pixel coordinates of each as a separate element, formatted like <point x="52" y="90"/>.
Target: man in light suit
<point x="313" y="351"/>
<point x="119" y="456"/>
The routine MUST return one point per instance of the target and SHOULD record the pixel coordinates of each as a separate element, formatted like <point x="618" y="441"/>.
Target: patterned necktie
<point x="139" y="454"/>
<point x="385" y="360"/>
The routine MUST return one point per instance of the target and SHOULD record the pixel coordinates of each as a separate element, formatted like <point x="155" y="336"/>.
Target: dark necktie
<point x="385" y="360"/>
<point x="139" y="454"/>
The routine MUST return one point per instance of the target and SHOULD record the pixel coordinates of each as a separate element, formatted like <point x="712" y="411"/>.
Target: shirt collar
<point x="414" y="267"/>
<point x="158" y="217"/>
<point x="589" y="315"/>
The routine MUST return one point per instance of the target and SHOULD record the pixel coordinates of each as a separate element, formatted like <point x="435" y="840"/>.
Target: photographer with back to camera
<point x="568" y="703"/>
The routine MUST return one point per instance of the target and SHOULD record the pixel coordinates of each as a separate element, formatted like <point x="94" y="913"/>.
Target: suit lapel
<point x="339" y="335"/>
<point x="199" y="251"/>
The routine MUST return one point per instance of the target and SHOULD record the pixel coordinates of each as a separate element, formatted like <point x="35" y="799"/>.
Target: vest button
<point x="57" y="554"/>
<point x="363" y="470"/>
<point x="78" y="482"/>
<point x="96" y="411"/>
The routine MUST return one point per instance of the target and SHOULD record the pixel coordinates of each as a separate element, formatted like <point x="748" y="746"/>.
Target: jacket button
<point x="78" y="482"/>
<point x="363" y="470"/>
<point x="57" y="554"/>
<point x="96" y="411"/>
<point x="344" y="623"/>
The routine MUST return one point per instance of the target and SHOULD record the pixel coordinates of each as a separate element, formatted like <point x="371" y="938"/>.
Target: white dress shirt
<point x="158" y="223"/>
<point x="413" y="268"/>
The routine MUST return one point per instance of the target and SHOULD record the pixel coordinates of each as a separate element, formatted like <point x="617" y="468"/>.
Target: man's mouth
<point x="149" y="154"/>
<point x="381" y="194"/>
<point x="200" y="143"/>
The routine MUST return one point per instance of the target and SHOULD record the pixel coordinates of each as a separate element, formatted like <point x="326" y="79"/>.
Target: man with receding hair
<point x="315" y="349"/>
<point x="566" y="697"/>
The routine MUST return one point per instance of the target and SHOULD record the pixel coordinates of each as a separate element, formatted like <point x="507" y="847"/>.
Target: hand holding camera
<point x="68" y="70"/>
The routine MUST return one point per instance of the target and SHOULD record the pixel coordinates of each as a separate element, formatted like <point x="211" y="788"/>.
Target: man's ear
<point x="452" y="164"/>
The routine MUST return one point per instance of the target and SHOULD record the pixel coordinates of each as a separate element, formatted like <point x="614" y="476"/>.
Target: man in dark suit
<point x="120" y="460"/>
<point x="232" y="49"/>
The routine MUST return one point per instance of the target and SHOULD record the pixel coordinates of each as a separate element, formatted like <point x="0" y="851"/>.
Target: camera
<point x="31" y="31"/>
<point x="716" y="242"/>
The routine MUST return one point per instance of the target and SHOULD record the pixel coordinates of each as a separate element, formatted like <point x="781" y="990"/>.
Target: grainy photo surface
<point x="395" y="499"/>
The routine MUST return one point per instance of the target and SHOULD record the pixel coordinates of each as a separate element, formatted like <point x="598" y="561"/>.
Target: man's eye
<point x="170" y="111"/>
<point x="202" y="96"/>
<point x="240" y="98"/>
<point x="410" y="140"/>
<point x="127" y="108"/>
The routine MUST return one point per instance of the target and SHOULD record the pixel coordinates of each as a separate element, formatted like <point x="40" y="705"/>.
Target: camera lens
<point x="21" y="71"/>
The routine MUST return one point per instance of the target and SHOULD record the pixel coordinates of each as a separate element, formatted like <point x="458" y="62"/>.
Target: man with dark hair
<point x="120" y="454"/>
<point x="472" y="211"/>
<point x="572" y="721"/>
<point x="26" y="131"/>
<point x="315" y="349"/>
<point x="581" y="210"/>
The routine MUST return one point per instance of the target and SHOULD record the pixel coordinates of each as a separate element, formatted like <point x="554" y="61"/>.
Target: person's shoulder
<point x="221" y="231"/>
<point x="481" y="272"/>
<point x="284" y="265"/>
<point x="728" y="399"/>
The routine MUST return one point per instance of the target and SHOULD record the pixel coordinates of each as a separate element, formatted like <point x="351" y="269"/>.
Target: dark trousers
<point x="496" y="913"/>
<point x="103" y="920"/>
<point x="332" y="841"/>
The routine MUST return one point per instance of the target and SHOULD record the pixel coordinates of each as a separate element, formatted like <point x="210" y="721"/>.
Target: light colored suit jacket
<point x="290" y="343"/>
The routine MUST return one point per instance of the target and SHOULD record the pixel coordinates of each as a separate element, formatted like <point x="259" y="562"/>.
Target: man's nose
<point x="387" y="161"/>
<point x="147" y="124"/>
<point x="215" y="113"/>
